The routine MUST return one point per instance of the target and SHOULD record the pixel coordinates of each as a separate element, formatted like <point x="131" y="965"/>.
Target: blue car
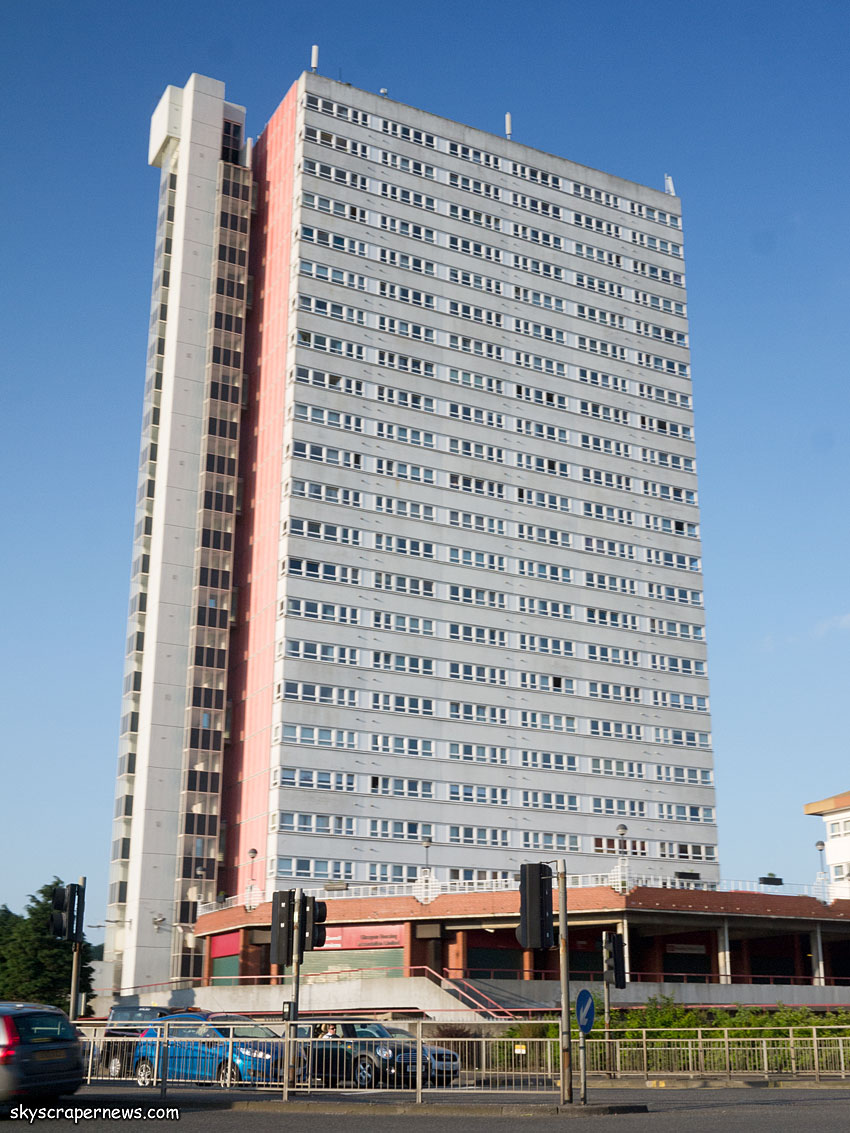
<point x="206" y="1047"/>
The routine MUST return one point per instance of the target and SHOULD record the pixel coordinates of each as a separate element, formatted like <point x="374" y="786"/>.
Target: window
<point x="407" y="831"/>
<point x="483" y="674"/>
<point x="322" y="651"/>
<point x="401" y="745"/>
<point x="401" y="545"/>
<point x="322" y="611"/>
<point x="537" y="643"/>
<point x="403" y="663"/>
<point x="318" y="415"/>
<point x="319" y="694"/>
<point x="548" y="760"/>
<point x="473" y="596"/>
<point x="620" y="768"/>
<point x="478" y="836"/>
<point x="411" y="705"/>
<point x="549" y="800"/>
<point x="477" y="713"/>
<point x="470" y="793"/>
<point x="405" y="788"/>
<point x="402" y="623"/>
<point x="319" y="737"/>
<point x="478" y="753"/>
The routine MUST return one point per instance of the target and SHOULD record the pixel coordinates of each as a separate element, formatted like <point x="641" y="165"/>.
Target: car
<point x="206" y="1046"/>
<point x="40" y="1054"/>
<point x="367" y="1054"/>
<point x="124" y="1024"/>
<point x="442" y="1066"/>
<point x="354" y="1054"/>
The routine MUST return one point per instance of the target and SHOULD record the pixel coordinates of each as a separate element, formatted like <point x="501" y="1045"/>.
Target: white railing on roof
<point x="621" y="879"/>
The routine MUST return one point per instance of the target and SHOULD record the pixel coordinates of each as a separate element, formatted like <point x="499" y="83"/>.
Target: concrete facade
<point x="465" y="621"/>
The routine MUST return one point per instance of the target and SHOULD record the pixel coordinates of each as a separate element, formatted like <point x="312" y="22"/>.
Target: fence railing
<point x="301" y="1058"/>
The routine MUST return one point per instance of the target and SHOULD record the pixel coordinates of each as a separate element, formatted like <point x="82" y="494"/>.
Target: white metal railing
<point x="305" y="1057"/>
<point x="621" y="878"/>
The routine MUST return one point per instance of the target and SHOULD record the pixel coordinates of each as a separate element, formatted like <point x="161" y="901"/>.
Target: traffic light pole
<point x="563" y="959"/>
<point x="296" y="955"/>
<point x="77" y="914"/>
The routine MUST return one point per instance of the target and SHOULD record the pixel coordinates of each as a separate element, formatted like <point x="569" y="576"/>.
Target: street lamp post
<point x="622" y="860"/>
<point x="820" y="846"/>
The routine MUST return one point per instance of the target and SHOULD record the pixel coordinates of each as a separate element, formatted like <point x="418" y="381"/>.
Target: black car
<point x="365" y="1054"/>
<point x="40" y="1054"/>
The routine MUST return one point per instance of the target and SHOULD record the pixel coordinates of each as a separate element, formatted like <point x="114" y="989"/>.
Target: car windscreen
<point x="371" y="1031"/>
<point x="35" y="1027"/>
<point x="135" y="1014"/>
<point x="242" y="1028"/>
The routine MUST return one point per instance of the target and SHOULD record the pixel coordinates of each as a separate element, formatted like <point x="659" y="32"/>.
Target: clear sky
<point x="744" y="102"/>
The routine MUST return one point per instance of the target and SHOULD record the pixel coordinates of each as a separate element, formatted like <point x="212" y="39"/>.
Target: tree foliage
<point x="34" y="965"/>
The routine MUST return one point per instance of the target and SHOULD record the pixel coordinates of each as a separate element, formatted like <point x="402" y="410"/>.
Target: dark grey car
<point x="40" y="1054"/>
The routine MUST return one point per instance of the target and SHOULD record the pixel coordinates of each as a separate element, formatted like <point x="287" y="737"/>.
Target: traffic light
<point x="283" y="923"/>
<point x="66" y="920"/>
<point x="536" y="922"/>
<point x="613" y="959"/>
<point x="313" y="915"/>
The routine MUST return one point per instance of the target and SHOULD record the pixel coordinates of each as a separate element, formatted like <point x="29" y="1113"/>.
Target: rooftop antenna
<point x="669" y="187"/>
<point x="314" y="58"/>
<point x="508" y="125"/>
<point x="383" y="92"/>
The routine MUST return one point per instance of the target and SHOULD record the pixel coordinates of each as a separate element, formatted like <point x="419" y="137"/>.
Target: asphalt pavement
<point x="786" y="1109"/>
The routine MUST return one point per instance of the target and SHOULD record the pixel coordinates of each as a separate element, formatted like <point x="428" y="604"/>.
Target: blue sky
<point x="745" y="103"/>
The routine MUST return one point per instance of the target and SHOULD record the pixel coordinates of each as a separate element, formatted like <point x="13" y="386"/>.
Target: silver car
<point x="40" y="1054"/>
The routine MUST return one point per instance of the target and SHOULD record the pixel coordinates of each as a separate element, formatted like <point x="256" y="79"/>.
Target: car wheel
<point x="113" y="1066"/>
<point x="144" y="1073"/>
<point x="364" y="1073"/>
<point x="221" y="1077"/>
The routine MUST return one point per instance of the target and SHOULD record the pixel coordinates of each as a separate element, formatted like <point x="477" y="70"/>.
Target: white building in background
<point x="835" y="812"/>
<point x="417" y="576"/>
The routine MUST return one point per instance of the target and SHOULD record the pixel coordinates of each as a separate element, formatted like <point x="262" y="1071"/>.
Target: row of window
<point x="478" y="596"/>
<point x="336" y="870"/>
<point x="316" y="610"/>
<point x="301" y="822"/>
<point x="308" y="778"/>
<point x="496" y="715"/>
<point x="317" y="693"/>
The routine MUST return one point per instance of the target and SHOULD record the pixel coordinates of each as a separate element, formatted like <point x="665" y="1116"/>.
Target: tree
<point x="35" y="966"/>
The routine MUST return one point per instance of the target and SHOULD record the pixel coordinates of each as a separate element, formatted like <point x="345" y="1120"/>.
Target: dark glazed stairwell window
<point x="231" y="142"/>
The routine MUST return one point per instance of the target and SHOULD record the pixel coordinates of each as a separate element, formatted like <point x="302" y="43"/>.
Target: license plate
<point x="49" y="1055"/>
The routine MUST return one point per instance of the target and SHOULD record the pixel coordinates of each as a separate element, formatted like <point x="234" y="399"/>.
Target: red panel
<point x="365" y="936"/>
<point x="251" y="677"/>
<point x="225" y="945"/>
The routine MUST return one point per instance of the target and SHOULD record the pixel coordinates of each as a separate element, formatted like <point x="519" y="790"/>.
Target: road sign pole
<point x="585" y="1012"/>
<point x="563" y="960"/>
